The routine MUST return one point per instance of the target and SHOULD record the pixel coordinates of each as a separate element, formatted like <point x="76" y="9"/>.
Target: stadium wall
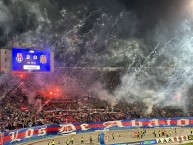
<point x="5" y="60"/>
<point x="39" y="132"/>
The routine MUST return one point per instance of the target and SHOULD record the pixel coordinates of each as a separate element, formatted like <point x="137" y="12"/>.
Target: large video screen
<point x="30" y="60"/>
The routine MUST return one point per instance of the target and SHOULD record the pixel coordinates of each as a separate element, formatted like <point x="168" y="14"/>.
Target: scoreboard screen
<point x="25" y="60"/>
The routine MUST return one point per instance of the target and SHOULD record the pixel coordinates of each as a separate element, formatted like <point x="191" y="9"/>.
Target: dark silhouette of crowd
<point x="16" y="111"/>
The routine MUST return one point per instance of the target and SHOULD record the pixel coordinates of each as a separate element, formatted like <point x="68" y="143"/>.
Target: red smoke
<point x="51" y="92"/>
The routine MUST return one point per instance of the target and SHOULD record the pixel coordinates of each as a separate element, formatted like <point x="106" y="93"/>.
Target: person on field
<point x="159" y="133"/>
<point x="82" y="140"/>
<point x="154" y="133"/>
<point x="138" y="134"/>
<point x="98" y="137"/>
<point x="113" y="135"/>
<point x="53" y="142"/>
<point x="142" y="134"/>
<point x="90" y="138"/>
<point x="135" y="134"/>
<point x="162" y="132"/>
<point x="67" y="142"/>
<point x="170" y="132"/>
<point x="72" y="140"/>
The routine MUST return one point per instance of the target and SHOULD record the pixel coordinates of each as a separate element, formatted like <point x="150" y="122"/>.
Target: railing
<point x="39" y="132"/>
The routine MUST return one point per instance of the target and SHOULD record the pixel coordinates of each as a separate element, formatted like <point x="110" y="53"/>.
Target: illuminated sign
<point x="149" y="142"/>
<point x="30" y="60"/>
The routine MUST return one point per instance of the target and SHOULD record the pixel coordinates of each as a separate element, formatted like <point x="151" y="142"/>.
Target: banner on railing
<point x="26" y="134"/>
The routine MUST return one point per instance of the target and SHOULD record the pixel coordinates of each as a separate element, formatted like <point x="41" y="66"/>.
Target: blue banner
<point x="38" y="132"/>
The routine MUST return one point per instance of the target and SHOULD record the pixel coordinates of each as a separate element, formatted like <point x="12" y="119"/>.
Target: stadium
<point x="113" y="72"/>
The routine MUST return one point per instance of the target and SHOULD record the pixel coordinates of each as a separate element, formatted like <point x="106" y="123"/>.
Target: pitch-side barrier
<point x="39" y="132"/>
<point x="164" y="140"/>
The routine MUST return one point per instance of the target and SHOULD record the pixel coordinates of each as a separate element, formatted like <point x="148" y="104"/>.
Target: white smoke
<point x="166" y="75"/>
<point x="5" y="18"/>
<point x="159" y="65"/>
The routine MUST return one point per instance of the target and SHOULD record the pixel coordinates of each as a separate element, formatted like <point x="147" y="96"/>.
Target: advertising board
<point x="149" y="142"/>
<point x="190" y="137"/>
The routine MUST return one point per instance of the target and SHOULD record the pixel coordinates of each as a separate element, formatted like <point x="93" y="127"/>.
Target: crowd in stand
<point x="21" y="115"/>
<point x="16" y="111"/>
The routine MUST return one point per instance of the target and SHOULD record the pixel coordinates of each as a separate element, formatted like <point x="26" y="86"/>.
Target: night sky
<point x="79" y="31"/>
<point x="16" y="17"/>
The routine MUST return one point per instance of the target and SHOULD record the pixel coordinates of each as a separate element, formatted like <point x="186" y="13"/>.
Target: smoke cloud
<point x="155" y="47"/>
